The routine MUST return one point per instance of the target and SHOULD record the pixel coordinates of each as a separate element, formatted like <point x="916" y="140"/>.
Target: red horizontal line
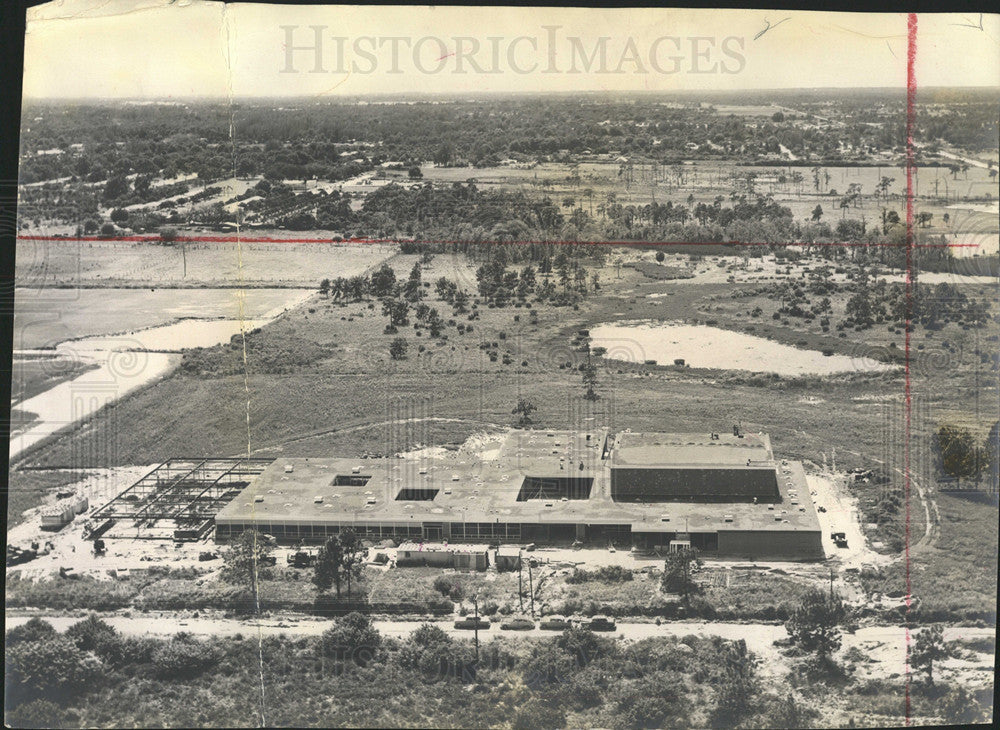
<point x="266" y="239"/>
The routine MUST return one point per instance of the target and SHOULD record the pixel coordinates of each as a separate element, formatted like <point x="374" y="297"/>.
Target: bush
<point x="183" y="658"/>
<point x="32" y="631"/>
<point x="352" y="638"/>
<point x="443" y="584"/>
<point x="536" y="713"/>
<point x="606" y="574"/>
<point x="51" y="668"/>
<point x="37" y="713"/>
<point x="91" y="633"/>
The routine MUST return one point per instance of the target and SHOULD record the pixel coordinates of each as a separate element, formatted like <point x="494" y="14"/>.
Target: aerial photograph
<point x="518" y="368"/>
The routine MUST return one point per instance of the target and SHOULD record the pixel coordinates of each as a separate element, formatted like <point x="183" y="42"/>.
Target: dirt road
<point x="883" y="646"/>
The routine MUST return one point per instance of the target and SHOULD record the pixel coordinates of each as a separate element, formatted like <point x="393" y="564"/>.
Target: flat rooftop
<point x="635" y="449"/>
<point x="457" y="487"/>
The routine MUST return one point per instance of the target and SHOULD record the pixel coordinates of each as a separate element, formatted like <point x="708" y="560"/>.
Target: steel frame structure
<point x="188" y="491"/>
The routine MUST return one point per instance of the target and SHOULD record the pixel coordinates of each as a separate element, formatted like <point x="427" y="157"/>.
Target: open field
<point x="45" y="317"/>
<point x="68" y="263"/>
<point x="31" y="376"/>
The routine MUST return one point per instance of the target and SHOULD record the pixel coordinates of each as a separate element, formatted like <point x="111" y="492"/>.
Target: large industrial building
<point x="724" y="494"/>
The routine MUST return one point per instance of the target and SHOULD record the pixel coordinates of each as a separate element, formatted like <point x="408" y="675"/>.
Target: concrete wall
<point x="772" y="544"/>
<point x="714" y="484"/>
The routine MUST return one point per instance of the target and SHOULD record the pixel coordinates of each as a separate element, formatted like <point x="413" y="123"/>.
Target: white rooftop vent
<point x="548" y="504"/>
<point x="356" y="470"/>
<point x="423" y="470"/>
<point x="318" y="499"/>
<point x="564" y="499"/>
<point x="664" y="518"/>
<point x="728" y="518"/>
<point x="289" y="468"/>
<point x="447" y="491"/>
<point x="454" y="477"/>
<point x="370" y="500"/>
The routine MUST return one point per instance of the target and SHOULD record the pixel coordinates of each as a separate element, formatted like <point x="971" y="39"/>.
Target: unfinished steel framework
<point x="186" y="493"/>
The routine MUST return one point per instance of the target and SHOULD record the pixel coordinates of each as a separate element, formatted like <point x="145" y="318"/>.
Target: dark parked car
<point x="517" y="623"/>
<point x="602" y="623"/>
<point x="555" y="623"/>
<point x="469" y="622"/>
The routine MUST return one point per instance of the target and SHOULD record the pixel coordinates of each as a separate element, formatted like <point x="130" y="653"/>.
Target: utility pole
<point x="831" y="584"/>
<point x="531" y="590"/>
<point x="520" y="583"/>
<point x="475" y="602"/>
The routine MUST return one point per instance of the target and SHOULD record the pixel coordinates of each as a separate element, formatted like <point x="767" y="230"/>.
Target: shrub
<point x="352" y="638"/>
<point x="50" y="668"/>
<point x="183" y="658"/>
<point x="33" y="630"/>
<point x="443" y="584"/>
<point x="91" y="633"/>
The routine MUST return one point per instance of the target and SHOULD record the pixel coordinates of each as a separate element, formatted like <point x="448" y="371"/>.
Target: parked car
<point x="469" y="622"/>
<point x="555" y="623"/>
<point x="602" y="623"/>
<point x="517" y="623"/>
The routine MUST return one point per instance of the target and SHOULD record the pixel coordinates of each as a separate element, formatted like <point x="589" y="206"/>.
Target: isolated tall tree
<point x="352" y="555"/>
<point x="244" y="561"/>
<point x="382" y="281"/>
<point x="960" y="453"/>
<point x="815" y="624"/>
<point x="677" y="573"/>
<point x="929" y="647"/>
<point x="329" y="569"/>
<point x="396" y="310"/>
<point x="523" y="410"/>
<point x="589" y="371"/>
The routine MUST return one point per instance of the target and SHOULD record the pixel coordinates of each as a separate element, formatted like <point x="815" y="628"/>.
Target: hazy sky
<point x="158" y="49"/>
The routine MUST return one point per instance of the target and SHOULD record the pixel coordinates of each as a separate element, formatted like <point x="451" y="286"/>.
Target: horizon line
<point x="486" y="93"/>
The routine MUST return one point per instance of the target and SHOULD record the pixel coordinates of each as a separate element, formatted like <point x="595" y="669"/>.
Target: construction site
<point x="725" y="494"/>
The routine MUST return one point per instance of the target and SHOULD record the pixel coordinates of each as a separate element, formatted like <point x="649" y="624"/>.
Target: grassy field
<point x="46" y="264"/>
<point x="31" y="377"/>
<point x="957" y="577"/>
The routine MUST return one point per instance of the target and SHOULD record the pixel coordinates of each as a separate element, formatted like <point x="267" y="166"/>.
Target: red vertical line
<point x="911" y="92"/>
